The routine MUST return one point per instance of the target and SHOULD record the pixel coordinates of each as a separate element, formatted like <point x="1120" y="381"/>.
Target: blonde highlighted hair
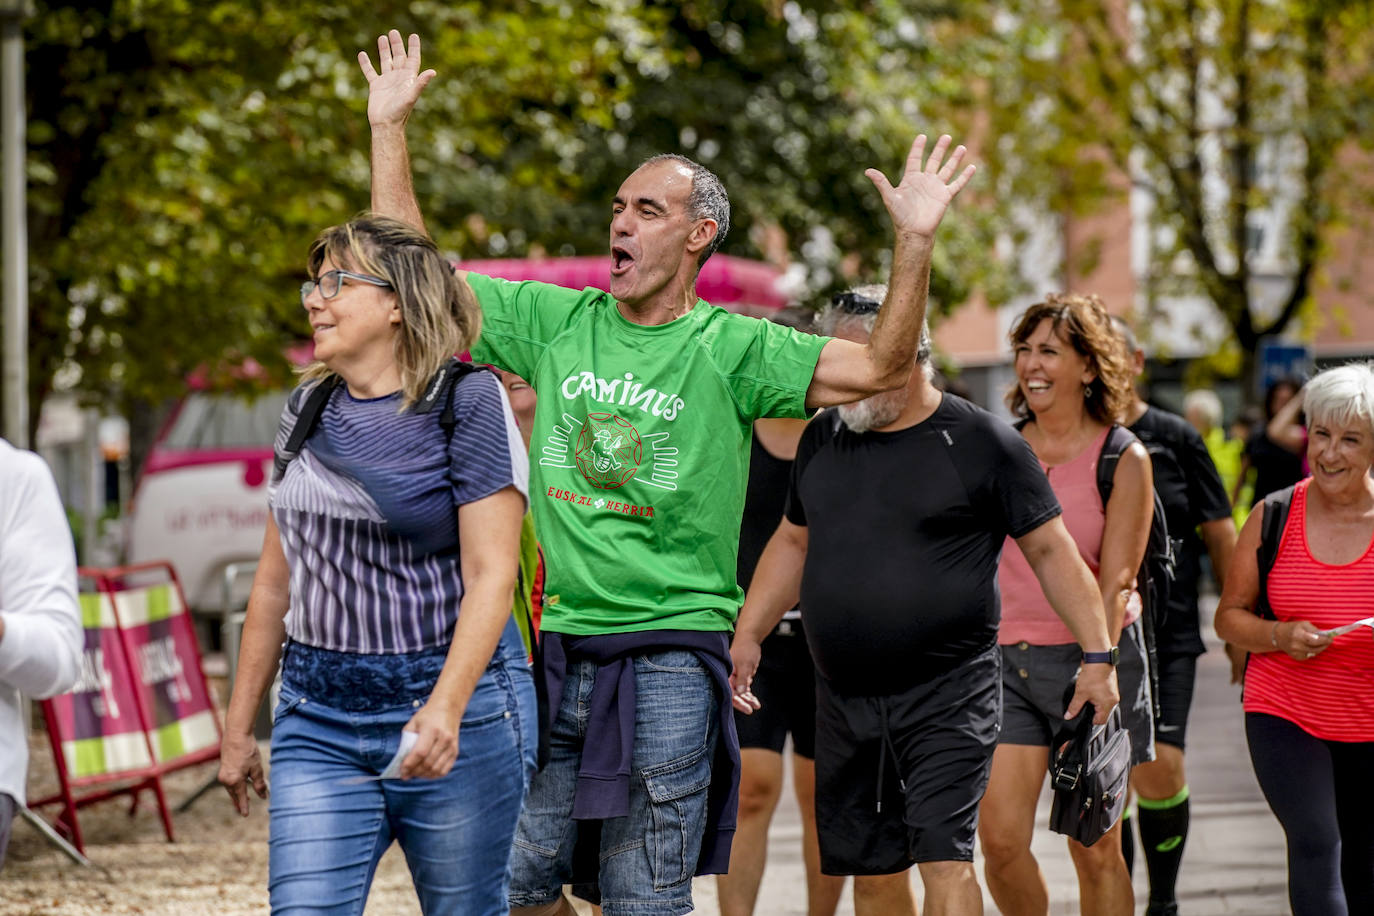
<point x="1084" y="324"/>
<point x="439" y="314"/>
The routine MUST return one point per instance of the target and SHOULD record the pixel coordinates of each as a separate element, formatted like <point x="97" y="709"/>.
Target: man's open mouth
<point x="620" y="260"/>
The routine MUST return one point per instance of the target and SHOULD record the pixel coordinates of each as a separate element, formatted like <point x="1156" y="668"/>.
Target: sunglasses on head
<point x="854" y="304"/>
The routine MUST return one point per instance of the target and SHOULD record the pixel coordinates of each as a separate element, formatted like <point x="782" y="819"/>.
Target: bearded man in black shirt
<point x="1195" y="503"/>
<point x="896" y="515"/>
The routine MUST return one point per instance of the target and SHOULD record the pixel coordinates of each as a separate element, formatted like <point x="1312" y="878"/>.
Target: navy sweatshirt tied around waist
<point x="603" y="779"/>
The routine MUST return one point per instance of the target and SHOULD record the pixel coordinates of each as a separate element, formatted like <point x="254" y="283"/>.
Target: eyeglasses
<point x="331" y="281"/>
<point x="853" y="304"/>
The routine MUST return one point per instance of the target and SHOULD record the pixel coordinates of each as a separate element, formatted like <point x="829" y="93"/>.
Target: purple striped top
<point x="368" y="514"/>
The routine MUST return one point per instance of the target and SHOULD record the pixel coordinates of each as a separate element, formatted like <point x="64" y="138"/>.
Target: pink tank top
<point x="1026" y="613"/>
<point x="1330" y="696"/>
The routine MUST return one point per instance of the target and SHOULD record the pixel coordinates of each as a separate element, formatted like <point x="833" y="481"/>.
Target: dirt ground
<point x="218" y="864"/>
<point x="216" y="867"/>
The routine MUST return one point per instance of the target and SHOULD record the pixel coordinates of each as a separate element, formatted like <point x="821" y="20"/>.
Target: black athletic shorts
<point x="1177" y="675"/>
<point x="899" y="777"/>
<point x="786" y="687"/>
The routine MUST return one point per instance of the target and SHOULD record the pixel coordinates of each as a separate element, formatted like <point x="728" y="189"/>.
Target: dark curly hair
<point x="1084" y="323"/>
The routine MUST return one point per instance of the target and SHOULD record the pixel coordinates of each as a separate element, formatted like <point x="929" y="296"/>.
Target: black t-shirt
<point x="905" y="529"/>
<point x="763" y="502"/>
<point x="1192" y="492"/>
<point x="1275" y="466"/>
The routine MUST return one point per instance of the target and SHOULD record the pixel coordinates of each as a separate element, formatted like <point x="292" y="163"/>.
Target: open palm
<point x="918" y="203"/>
<point x="397" y="81"/>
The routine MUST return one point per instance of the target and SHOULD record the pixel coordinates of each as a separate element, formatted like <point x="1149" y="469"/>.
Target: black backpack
<point x="1276" y="506"/>
<point x="1155" y="577"/>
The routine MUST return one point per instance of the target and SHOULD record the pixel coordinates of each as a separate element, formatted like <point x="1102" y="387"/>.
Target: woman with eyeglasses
<point x="1073" y="384"/>
<point x="1309" y="683"/>
<point x="388" y="570"/>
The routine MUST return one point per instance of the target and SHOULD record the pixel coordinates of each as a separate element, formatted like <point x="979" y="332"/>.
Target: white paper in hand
<point x="1341" y="631"/>
<point x="393" y="769"/>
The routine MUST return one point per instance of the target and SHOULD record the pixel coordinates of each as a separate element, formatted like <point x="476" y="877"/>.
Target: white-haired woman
<point x="388" y="570"/>
<point x="1309" y="692"/>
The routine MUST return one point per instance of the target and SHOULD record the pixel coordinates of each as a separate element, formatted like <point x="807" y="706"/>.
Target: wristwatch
<point x="1110" y="657"/>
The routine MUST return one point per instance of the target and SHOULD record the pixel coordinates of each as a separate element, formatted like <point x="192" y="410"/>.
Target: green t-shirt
<point x="640" y="448"/>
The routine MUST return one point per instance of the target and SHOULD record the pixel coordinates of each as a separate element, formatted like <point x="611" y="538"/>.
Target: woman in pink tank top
<point x="1073" y="382"/>
<point x="1309" y="684"/>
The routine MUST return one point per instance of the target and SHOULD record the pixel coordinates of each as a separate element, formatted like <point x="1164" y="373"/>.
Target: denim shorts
<point x="331" y="819"/>
<point x="646" y="860"/>
<point x="1034" y="681"/>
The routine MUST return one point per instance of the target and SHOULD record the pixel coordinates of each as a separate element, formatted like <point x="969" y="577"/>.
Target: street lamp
<point x="13" y="225"/>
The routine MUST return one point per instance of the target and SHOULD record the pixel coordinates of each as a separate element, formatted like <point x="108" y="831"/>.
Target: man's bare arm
<point x="392" y="90"/>
<point x="773" y="591"/>
<point x="848" y="371"/>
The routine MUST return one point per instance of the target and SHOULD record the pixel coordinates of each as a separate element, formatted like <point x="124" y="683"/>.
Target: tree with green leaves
<point x="182" y="155"/>
<point x="1232" y="114"/>
<point x="179" y="167"/>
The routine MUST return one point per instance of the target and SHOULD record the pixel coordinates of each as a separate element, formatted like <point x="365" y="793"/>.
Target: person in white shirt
<point x="40" y="623"/>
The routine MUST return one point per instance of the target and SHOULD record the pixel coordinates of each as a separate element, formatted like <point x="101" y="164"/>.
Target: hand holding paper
<point x="1341" y="631"/>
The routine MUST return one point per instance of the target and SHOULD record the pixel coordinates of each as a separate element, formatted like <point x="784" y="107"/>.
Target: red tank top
<point x="1330" y="696"/>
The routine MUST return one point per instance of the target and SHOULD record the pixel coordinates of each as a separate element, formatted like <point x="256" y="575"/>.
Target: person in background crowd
<point x="912" y="486"/>
<point x="647" y="398"/>
<point x="1199" y="516"/>
<point x="40" y="624"/>
<point x="388" y="569"/>
<point x="1073" y="384"/>
<point x="530" y="588"/>
<point x="1243" y="427"/>
<point x="786" y="689"/>
<point x="522" y="401"/>
<point x="1309" y="688"/>
<point x="1277" y="463"/>
<point x="1202" y="409"/>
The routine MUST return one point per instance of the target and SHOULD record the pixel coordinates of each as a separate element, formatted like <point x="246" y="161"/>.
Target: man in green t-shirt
<point x="639" y="455"/>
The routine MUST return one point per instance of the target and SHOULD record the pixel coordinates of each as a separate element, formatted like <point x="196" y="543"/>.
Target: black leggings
<point x="1320" y="792"/>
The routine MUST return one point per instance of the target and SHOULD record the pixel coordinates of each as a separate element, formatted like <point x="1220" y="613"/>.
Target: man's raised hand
<point x="397" y="81"/>
<point x="918" y="203"/>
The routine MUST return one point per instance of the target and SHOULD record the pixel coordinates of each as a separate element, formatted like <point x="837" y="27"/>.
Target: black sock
<point x="1163" y="834"/>
<point x="1128" y="840"/>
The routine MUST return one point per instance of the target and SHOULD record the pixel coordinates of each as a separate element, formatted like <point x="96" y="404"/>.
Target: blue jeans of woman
<point x="332" y="819"/>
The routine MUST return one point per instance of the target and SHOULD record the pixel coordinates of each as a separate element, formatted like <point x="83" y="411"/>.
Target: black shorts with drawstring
<point x="899" y="776"/>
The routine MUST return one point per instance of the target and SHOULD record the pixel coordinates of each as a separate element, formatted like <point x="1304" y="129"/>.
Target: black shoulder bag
<point x="1088" y="774"/>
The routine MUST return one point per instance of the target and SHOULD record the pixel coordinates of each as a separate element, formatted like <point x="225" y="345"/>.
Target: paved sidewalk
<point x="1235" y="857"/>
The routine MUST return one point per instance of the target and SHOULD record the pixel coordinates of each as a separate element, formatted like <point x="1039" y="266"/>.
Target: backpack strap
<point x="439" y="392"/>
<point x="1119" y="438"/>
<point x="1276" y="506"/>
<point x="306" y="421"/>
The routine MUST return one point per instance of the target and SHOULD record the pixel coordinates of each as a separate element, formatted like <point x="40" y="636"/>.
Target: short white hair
<point x="1204" y="402"/>
<point x="1341" y="395"/>
<point x="859" y="307"/>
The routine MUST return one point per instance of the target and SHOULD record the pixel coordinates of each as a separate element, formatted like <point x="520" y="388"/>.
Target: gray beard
<point x="873" y="412"/>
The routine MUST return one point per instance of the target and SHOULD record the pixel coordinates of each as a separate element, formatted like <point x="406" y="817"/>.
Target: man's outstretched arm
<point x="848" y="371"/>
<point x="392" y="90"/>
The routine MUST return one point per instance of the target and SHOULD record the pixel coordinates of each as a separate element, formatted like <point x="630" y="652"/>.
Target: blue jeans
<point x="647" y="859"/>
<point x="330" y="826"/>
